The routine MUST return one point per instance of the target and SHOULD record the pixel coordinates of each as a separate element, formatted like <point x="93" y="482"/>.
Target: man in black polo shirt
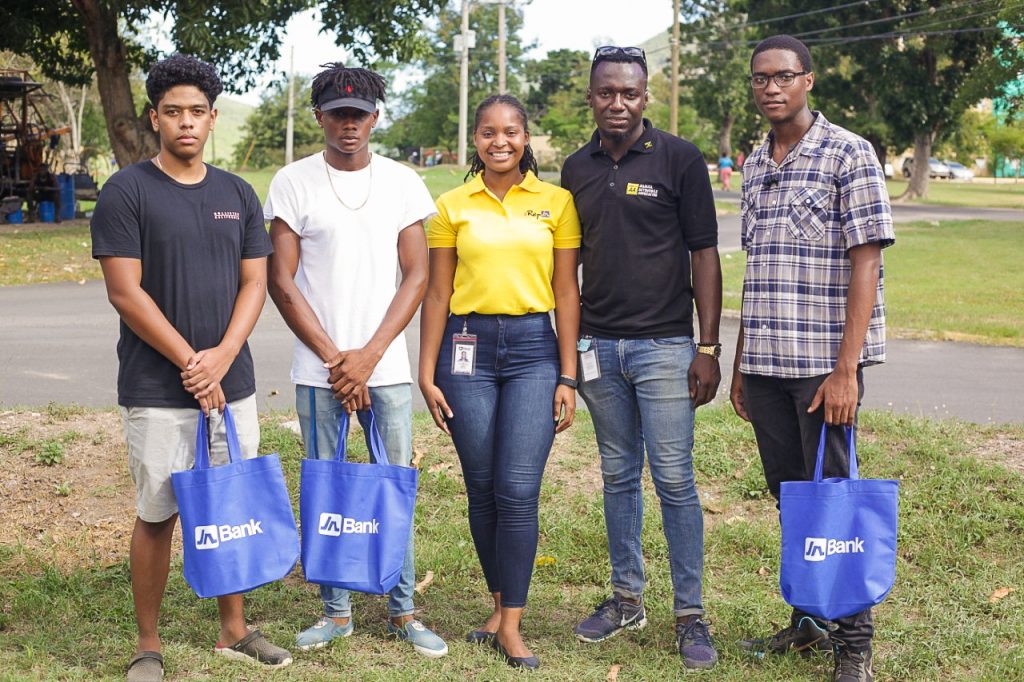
<point x="648" y="217"/>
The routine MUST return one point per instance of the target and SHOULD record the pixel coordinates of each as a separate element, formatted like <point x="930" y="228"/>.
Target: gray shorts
<point x="163" y="439"/>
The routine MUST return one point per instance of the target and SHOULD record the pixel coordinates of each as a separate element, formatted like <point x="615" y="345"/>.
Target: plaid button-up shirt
<point x="799" y="219"/>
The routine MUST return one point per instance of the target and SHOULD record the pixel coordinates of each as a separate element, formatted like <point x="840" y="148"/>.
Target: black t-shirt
<point x="191" y="240"/>
<point x="641" y="217"/>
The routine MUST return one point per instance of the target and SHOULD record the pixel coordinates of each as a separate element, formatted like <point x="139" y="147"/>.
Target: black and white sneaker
<point x="610" y="618"/>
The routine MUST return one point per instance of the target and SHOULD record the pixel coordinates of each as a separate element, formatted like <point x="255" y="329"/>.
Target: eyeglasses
<point x="608" y="51"/>
<point x="783" y="79"/>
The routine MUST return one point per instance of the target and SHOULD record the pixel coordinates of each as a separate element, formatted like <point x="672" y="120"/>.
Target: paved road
<point x="57" y="343"/>
<point x="729" y="225"/>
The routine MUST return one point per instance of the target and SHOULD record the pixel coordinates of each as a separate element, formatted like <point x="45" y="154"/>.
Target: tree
<point x="715" y="67"/>
<point x="429" y="114"/>
<point x="559" y="71"/>
<point x="263" y="143"/>
<point x="71" y="39"/>
<point x="914" y="66"/>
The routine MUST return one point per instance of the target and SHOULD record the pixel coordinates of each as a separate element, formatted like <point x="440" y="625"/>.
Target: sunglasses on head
<point x="608" y="51"/>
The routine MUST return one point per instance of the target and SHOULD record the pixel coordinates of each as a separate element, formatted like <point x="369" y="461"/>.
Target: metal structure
<point x="29" y="149"/>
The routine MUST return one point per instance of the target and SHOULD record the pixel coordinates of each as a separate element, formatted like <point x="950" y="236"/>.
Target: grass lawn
<point x="981" y="193"/>
<point x="66" y="602"/>
<point x="47" y="254"/>
<point x="955" y="280"/>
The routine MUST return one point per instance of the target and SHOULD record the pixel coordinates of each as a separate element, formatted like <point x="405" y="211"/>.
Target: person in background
<point x="725" y="171"/>
<point x="494" y="375"/>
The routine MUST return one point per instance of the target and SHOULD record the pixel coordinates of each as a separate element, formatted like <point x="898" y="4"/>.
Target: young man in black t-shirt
<point x="649" y="252"/>
<point x="183" y="251"/>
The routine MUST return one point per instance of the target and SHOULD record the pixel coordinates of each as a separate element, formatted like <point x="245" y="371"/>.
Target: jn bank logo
<point x="814" y="549"/>
<point x="330" y="524"/>
<point x="336" y="524"/>
<point x="206" y="537"/>
<point x="817" y="549"/>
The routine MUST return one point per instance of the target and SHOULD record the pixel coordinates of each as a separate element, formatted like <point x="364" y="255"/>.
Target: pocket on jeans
<point x="671" y="341"/>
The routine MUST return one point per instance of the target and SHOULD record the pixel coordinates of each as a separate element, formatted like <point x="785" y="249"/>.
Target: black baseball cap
<point x="336" y="97"/>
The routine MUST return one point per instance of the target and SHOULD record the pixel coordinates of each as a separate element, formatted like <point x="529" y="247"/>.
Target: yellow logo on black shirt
<point x="641" y="189"/>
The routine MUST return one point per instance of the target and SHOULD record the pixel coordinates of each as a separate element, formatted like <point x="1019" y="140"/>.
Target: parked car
<point x="936" y="169"/>
<point x="958" y="171"/>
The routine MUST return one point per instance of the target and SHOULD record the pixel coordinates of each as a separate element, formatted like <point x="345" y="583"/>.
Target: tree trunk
<point x="918" y="187"/>
<point x="74" y="154"/>
<point x="725" y="135"/>
<point x="131" y="136"/>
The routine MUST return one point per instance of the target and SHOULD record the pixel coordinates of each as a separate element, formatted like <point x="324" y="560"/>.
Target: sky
<point x="552" y="24"/>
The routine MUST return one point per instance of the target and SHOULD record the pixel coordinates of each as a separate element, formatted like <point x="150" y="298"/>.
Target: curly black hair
<point x="182" y="69"/>
<point x="528" y="162"/>
<point x="364" y="83"/>
<point x="784" y="42"/>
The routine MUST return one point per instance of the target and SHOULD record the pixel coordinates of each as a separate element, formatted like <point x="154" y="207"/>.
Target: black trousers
<point x="787" y="439"/>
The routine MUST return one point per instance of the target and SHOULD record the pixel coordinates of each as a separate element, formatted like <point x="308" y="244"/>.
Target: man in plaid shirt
<point x="815" y="218"/>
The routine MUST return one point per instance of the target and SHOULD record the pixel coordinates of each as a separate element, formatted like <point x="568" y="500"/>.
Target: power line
<point x="892" y="35"/>
<point x="772" y="20"/>
<point x="907" y="15"/>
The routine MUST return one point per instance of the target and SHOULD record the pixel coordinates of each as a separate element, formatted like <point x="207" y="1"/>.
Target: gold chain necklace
<point x="369" y="186"/>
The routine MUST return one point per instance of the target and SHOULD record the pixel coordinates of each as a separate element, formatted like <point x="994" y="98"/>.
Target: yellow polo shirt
<point x="505" y="249"/>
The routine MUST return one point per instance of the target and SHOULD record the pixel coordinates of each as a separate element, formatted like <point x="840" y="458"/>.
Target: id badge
<point x="464" y="354"/>
<point x="590" y="367"/>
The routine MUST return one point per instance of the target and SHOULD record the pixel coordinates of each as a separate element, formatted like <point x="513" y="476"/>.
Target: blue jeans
<point x="642" y="400"/>
<point x="503" y="429"/>
<point x="392" y="406"/>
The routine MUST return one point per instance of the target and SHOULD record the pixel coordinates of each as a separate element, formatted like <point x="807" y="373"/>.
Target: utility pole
<point x="289" y="135"/>
<point x="464" y="84"/>
<point x="673" y="108"/>
<point x="502" y="87"/>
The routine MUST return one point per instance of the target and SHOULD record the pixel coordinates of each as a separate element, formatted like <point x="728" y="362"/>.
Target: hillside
<point x="228" y="131"/>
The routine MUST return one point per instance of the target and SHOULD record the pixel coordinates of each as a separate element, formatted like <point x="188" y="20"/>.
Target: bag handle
<point x="203" y="440"/>
<point x="819" y="465"/>
<point x="377" y="451"/>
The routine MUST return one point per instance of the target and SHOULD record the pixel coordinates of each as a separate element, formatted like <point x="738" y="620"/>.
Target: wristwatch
<point x="712" y="349"/>
<point x="566" y="380"/>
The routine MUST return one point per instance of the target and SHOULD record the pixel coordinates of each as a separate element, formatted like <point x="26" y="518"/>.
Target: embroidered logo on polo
<point x="641" y="189"/>
<point x="649" y="144"/>
<point x="538" y="214"/>
<point x="227" y="215"/>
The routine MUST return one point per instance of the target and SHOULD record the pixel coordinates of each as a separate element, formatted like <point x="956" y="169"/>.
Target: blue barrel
<point x="47" y="212"/>
<point x="16" y="218"/>
<point x="66" y="182"/>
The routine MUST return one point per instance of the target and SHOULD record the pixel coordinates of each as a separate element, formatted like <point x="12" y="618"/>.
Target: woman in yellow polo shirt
<point x="503" y="251"/>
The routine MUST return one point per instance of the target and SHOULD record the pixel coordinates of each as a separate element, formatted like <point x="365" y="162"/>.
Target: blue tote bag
<point x="237" y="523"/>
<point x="838" y="540"/>
<point x="356" y="518"/>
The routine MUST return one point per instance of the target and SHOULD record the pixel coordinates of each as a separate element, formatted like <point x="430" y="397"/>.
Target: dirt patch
<point x="1003" y="449"/>
<point x="80" y="510"/>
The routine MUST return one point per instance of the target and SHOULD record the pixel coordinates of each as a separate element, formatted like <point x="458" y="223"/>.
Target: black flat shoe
<point x="479" y="637"/>
<point x="527" y="662"/>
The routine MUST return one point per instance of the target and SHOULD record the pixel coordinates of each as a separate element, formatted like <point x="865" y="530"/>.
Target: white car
<point x="958" y="171"/>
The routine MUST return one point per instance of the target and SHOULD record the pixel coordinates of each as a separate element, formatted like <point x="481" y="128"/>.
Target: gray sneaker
<point x="611" y="617"/>
<point x="255" y="647"/>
